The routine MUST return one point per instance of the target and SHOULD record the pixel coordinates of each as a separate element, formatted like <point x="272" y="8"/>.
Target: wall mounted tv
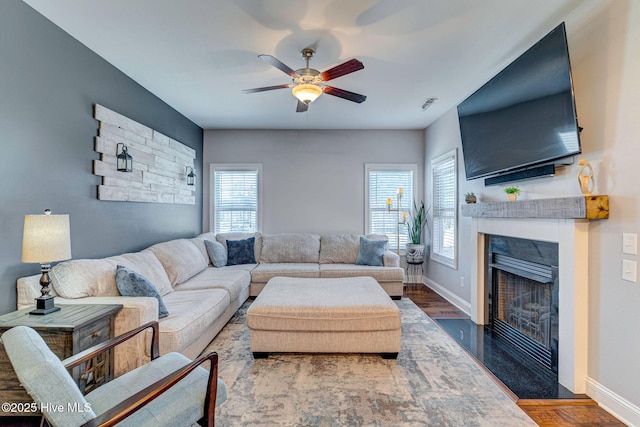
<point x="523" y="117"/>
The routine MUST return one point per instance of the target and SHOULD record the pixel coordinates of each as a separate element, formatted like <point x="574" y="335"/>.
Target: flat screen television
<point x="525" y="115"/>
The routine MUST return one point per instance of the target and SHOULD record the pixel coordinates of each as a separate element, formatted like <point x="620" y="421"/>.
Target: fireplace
<point x="523" y="296"/>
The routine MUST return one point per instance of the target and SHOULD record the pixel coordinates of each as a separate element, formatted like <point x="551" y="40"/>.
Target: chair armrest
<point x="143" y="397"/>
<point x="91" y="352"/>
<point x="390" y="259"/>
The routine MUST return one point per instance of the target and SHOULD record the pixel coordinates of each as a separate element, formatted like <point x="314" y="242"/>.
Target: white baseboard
<point x="611" y="402"/>
<point x="448" y="295"/>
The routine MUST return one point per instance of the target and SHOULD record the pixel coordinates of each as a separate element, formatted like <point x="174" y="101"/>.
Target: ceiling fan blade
<point x="345" y="94"/>
<point x="302" y="107"/>
<point x="279" y="65"/>
<point x="342" y="69"/>
<point x="263" y="89"/>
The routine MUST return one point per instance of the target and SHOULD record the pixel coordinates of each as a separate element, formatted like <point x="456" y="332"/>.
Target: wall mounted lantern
<point x="124" y="162"/>
<point x="191" y="176"/>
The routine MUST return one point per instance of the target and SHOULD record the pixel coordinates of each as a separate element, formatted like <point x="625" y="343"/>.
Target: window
<point x="382" y="183"/>
<point x="236" y="197"/>
<point x="445" y="231"/>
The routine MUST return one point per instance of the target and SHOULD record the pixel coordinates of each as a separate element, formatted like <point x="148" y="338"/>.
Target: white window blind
<point x="236" y="196"/>
<point x="383" y="182"/>
<point x="444" y="236"/>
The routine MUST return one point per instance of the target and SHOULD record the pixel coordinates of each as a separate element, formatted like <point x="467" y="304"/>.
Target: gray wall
<point x="48" y="85"/>
<point x="604" y="41"/>
<point x="313" y="181"/>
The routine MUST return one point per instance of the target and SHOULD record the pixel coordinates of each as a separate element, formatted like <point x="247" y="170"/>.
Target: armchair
<point x="170" y="390"/>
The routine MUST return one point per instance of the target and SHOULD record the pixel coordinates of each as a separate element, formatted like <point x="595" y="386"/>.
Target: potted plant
<point x="512" y="193"/>
<point x="470" y="197"/>
<point x="415" y="224"/>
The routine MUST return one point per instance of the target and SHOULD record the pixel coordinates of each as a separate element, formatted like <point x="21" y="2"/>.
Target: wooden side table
<point x="69" y="331"/>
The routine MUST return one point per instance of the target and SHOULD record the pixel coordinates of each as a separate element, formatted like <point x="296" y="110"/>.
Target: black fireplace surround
<point x="523" y="295"/>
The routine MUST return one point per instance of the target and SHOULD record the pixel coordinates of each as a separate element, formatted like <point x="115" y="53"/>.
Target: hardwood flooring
<point x="546" y="413"/>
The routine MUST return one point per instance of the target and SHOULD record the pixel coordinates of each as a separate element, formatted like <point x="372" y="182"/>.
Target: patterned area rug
<point x="432" y="383"/>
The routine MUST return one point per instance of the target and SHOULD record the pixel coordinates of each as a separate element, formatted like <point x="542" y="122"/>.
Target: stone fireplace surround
<point x="572" y="235"/>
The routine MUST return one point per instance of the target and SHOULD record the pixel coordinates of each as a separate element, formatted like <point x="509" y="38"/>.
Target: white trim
<point x="233" y="167"/>
<point x="613" y="403"/>
<point x="445" y="293"/>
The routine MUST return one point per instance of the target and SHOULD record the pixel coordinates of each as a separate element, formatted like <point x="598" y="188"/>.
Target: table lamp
<point x="46" y="238"/>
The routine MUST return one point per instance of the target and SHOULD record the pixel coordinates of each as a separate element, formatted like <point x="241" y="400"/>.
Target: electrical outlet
<point x="630" y="243"/>
<point x="630" y="270"/>
<point x="462" y="281"/>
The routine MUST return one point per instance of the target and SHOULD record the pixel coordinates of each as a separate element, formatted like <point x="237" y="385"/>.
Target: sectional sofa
<point x="199" y="297"/>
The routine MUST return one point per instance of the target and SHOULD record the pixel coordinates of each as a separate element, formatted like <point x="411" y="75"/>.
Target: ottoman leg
<point x="387" y="355"/>
<point x="260" y="355"/>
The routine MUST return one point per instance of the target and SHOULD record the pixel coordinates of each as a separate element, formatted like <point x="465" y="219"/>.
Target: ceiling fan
<point x="308" y="83"/>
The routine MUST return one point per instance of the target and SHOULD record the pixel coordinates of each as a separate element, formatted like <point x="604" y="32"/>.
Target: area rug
<point x="432" y="383"/>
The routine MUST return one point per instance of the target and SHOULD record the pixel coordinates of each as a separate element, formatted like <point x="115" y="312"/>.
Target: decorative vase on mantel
<point x="415" y="253"/>
<point x="512" y="197"/>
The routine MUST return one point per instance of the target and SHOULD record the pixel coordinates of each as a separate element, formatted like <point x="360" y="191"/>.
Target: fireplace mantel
<point x="583" y="207"/>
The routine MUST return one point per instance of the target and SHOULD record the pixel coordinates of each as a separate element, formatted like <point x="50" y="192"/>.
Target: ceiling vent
<point x="428" y="103"/>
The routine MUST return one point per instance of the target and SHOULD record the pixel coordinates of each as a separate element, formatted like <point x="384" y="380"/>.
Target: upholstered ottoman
<point x="314" y="315"/>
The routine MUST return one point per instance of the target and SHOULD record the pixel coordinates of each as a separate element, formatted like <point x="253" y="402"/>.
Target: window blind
<point x="444" y="209"/>
<point x="236" y="200"/>
<point x="383" y="185"/>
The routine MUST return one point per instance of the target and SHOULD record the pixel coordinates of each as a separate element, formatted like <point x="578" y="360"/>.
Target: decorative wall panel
<point x="159" y="162"/>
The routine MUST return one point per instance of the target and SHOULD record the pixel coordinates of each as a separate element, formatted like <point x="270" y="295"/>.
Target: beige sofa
<point x="201" y="298"/>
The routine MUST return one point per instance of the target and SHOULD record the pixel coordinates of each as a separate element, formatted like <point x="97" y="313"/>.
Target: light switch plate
<point x="630" y="243"/>
<point x="630" y="270"/>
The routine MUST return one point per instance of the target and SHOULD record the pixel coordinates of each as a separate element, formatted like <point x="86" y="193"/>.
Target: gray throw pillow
<point x="132" y="284"/>
<point x="217" y="253"/>
<point x="241" y="251"/>
<point x="371" y="252"/>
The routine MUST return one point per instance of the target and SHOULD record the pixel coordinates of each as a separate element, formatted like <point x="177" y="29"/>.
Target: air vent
<point x="428" y="103"/>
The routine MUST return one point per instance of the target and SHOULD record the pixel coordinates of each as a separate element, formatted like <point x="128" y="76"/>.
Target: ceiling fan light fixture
<point x="306" y="92"/>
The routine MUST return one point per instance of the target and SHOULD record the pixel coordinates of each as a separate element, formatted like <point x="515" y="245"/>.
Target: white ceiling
<point x="198" y="55"/>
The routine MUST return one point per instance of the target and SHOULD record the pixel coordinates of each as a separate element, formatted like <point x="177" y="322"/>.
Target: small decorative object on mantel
<point x="586" y="177"/>
<point x="470" y="197"/>
<point x="512" y="193"/>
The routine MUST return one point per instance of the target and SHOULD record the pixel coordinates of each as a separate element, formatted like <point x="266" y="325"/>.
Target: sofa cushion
<point x="257" y="244"/>
<point x="290" y="247"/>
<point x="241" y="251"/>
<point x="232" y="280"/>
<point x="199" y="243"/>
<point x="265" y="271"/>
<point x="133" y="284"/>
<point x="339" y="248"/>
<point x="371" y="252"/>
<point x="381" y="274"/>
<point x="180" y="258"/>
<point x="146" y="263"/>
<point x="192" y="312"/>
<point x="216" y="252"/>
<point x="80" y="278"/>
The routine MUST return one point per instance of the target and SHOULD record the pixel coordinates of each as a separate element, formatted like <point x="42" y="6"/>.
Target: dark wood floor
<point x="546" y="413"/>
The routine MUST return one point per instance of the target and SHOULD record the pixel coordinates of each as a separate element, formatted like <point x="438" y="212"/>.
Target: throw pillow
<point x="217" y="253"/>
<point x="371" y="252"/>
<point x="132" y="284"/>
<point x="241" y="251"/>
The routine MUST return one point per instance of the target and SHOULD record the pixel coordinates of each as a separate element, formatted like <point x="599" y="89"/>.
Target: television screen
<point x="525" y="115"/>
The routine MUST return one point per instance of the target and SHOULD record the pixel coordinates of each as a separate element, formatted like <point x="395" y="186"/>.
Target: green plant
<point x="512" y="190"/>
<point x="470" y="194"/>
<point x="416" y="222"/>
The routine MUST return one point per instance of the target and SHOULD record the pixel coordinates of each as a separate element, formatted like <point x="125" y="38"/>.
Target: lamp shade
<point x="307" y="93"/>
<point x="46" y="238"/>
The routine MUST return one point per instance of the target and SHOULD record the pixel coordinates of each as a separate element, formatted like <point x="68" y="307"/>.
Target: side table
<point x="69" y="331"/>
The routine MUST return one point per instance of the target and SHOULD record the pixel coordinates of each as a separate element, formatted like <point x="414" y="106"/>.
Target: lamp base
<point x="44" y="305"/>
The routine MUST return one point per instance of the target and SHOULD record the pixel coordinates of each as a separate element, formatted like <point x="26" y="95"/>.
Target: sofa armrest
<point x="136" y="311"/>
<point x="390" y="259"/>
